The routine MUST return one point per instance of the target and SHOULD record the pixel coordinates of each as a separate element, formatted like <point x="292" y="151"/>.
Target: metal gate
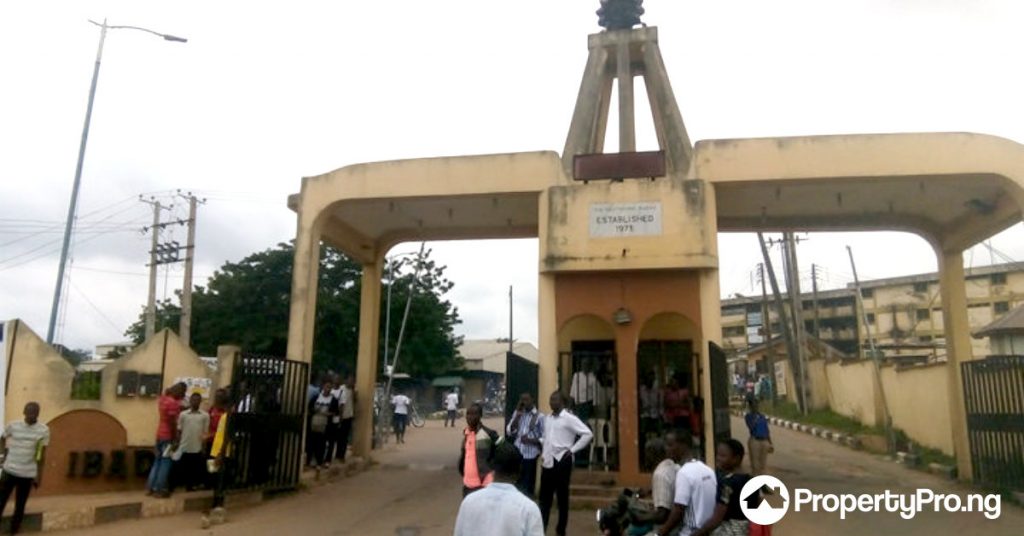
<point x="266" y="426"/>
<point x="719" y="393"/>
<point x="994" y="401"/>
<point x="521" y="377"/>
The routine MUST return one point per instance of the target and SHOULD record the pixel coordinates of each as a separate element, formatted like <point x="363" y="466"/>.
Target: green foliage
<point x="247" y="304"/>
<point x="72" y="356"/>
<point x="822" y="417"/>
<point x="86" y="385"/>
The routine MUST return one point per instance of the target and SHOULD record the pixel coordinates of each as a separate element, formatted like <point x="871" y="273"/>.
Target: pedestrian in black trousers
<point x="564" y="436"/>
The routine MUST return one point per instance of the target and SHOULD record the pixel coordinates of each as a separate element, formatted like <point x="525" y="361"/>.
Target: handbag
<point x="319" y="423"/>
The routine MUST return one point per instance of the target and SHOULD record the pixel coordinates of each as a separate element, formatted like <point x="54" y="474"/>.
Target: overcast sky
<point x="266" y="93"/>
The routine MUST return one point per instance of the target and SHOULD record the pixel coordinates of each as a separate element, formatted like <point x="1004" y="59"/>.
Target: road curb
<point x="854" y="443"/>
<point x="147" y="507"/>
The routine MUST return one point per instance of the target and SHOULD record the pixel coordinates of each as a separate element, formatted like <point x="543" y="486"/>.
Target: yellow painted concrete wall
<point x="918" y="398"/>
<point x="38" y="373"/>
<point x="852" y="391"/>
<point x="687" y="240"/>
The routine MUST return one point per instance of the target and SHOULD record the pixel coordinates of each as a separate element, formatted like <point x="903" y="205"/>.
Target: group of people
<point x="184" y="440"/>
<point x="191" y="446"/>
<point x="499" y="473"/>
<point x="759" y="387"/>
<point x="331" y="410"/>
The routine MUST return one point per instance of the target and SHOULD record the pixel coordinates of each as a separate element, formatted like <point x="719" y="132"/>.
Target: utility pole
<point x="510" y="347"/>
<point x="185" y="327"/>
<point x="790" y="343"/>
<point x="874" y="355"/>
<point x="151" y="300"/>
<point x="797" y="308"/>
<point x="766" y="324"/>
<point x="814" y="287"/>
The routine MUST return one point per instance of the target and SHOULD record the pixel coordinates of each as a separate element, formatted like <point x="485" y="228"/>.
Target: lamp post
<point x="387" y="312"/>
<point x="81" y="158"/>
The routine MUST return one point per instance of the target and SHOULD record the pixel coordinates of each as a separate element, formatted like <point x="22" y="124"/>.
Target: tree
<point x="72" y="356"/>
<point x="247" y="303"/>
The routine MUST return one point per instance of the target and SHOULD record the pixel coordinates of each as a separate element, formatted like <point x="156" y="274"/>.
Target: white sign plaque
<point x="609" y="220"/>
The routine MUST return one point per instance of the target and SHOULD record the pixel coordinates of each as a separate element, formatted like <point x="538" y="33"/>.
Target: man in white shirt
<point x="500" y="509"/>
<point x="564" y="436"/>
<point x="401" y="416"/>
<point x="696" y="485"/>
<point x="346" y="401"/>
<point x="451" y="404"/>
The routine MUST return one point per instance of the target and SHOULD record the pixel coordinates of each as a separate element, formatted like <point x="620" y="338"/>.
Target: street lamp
<point x="81" y="158"/>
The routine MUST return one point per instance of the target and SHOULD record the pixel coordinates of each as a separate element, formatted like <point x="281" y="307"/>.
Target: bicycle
<point x="414" y="417"/>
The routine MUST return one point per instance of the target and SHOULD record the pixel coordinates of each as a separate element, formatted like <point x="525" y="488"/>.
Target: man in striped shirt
<point x="24" y="447"/>
<point x="527" y="428"/>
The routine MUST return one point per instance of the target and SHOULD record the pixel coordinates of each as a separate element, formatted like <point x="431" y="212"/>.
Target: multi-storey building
<point x="902" y="314"/>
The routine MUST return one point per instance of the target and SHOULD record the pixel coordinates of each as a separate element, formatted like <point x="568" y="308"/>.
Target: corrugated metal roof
<point x="1011" y="322"/>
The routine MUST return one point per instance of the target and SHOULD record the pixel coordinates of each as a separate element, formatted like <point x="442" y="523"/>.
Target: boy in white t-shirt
<point x="694" y="499"/>
<point x="401" y="416"/>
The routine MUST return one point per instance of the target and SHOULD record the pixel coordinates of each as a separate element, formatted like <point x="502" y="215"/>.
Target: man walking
<point x="760" y="443"/>
<point x="169" y="407"/>
<point x="564" y="436"/>
<point x="527" y="429"/>
<point x="451" y="404"/>
<point x="401" y="415"/>
<point x="23" y="445"/>
<point x="499" y="509"/>
<point x="694" y="500"/>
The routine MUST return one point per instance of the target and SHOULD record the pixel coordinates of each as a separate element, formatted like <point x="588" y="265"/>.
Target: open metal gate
<point x="994" y="401"/>
<point x="721" y="423"/>
<point x="267" y="423"/>
<point x="520" y="377"/>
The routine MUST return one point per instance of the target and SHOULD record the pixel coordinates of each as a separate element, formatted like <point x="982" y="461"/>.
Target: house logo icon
<point x="764" y="500"/>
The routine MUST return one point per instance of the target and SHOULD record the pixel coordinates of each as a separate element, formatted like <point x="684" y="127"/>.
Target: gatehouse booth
<point x="628" y="260"/>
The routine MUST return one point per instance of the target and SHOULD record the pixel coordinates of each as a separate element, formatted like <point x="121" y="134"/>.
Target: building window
<point x="921" y="287"/>
<point x="926" y="338"/>
<point x="1000" y="307"/>
<point x="867" y="293"/>
<point x="735" y="331"/>
<point x="871" y="318"/>
<point x="924" y="314"/>
<point x="998" y="279"/>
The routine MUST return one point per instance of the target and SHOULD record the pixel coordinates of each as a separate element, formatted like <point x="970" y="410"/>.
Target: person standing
<point x="677" y="406"/>
<point x="451" y="404"/>
<point x="401" y="405"/>
<point x="564" y="436"/>
<point x="694" y="499"/>
<point x="221" y="405"/>
<point x="23" y="445"/>
<point x="728" y="519"/>
<point x="169" y="407"/>
<point x="193" y="426"/>
<point x="499" y="509"/>
<point x="221" y="460"/>
<point x="346" y="403"/>
<point x="760" y="443"/>
<point x="478" y="443"/>
<point x="321" y="411"/>
<point x="527" y="429"/>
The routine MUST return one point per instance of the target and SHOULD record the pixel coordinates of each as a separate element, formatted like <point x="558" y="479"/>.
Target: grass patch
<point x="821" y="417"/>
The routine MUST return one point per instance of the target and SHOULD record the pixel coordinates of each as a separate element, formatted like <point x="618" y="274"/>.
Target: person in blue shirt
<point x="760" y="443"/>
<point x="527" y="429"/>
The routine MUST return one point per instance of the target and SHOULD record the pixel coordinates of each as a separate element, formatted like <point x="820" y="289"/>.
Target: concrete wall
<point x="852" y="392"/>
<point x="36" y="372"/>
<point x="918" y="397"/>
<point x="912" y="394"/>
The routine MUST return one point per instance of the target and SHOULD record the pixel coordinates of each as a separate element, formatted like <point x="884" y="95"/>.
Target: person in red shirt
<point x="169" y="407"/>
<point x="221" y="403"/>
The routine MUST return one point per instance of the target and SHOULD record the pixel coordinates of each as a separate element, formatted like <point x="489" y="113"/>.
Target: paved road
<point x="395" y="499"/>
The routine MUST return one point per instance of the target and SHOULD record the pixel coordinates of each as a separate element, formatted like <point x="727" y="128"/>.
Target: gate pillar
<point x="366" y="358"/>
<point x="958" y="350"/>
